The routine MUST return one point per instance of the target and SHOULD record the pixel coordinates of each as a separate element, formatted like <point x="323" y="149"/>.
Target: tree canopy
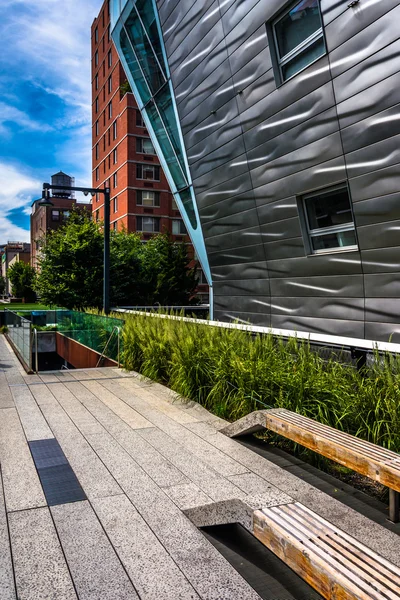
<point x="22" y="278"/>
<point x="71" y="268"/>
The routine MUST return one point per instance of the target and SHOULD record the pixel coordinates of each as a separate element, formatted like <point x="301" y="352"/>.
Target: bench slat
<point x="334" y="450"/>
<point x="315" y="550"/>
<point x="321" y="536"/>
<point x="341" y="436"/>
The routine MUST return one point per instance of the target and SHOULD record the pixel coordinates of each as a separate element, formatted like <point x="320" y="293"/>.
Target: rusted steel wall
<point x="79" y="356"/>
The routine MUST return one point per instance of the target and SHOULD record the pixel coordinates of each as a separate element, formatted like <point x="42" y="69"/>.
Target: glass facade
<point x="137" y="36"/>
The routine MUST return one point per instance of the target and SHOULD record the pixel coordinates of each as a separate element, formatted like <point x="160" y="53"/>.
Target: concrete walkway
<point x="153" y="470"/>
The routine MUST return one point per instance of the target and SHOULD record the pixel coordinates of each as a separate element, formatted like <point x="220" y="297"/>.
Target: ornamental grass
<point x="232" y="373"/>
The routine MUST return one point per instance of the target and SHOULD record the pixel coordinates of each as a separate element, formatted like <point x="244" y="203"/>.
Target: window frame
<point x="156" y="198"/>
<point x="155" y="220"/>
<point x="309" y="233"/>
<point x="181" y="222"/>
<point x="146" y="166"/>
<point x="139" y="146"/>
<point x="278" y="61"/>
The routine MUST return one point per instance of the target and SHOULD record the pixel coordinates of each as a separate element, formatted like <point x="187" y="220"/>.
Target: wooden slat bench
<point x="368" y="459"/>
<point x="335" y="564"/>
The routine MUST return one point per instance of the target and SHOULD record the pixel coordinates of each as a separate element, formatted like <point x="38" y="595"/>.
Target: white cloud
<point x="17" y="191"/>
<point x="12" y="114"/>
<point x="10" y="232"/>
<point x="54" y="39"/>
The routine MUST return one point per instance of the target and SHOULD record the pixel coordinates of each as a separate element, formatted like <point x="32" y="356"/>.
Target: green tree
<point x="22" y="278"/>
<point x="2" y="285"/>
<point x="71" y="265"/>
<point x="168" y="280"/>
<point x="71" y="268"/>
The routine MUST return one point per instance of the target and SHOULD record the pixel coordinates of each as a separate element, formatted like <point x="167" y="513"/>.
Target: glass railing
<point x="19" y="332"/>
<point x="93" y="331"/>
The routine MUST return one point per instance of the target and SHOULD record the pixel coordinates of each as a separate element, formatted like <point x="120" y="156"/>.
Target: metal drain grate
<point x="59" y="482"/>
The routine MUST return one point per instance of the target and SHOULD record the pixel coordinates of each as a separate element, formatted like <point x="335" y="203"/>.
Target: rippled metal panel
<point x="254" y="147"/>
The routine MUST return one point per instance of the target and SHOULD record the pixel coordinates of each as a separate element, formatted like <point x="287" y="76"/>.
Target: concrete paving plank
<point x="187" y="495"/>
<point x="95" y="568"/>
<point x="40" y="569"/>
<point x="32" y="419"/>
<point x="209" y="573"/>
<point x="134" y="419"/>
<point x="99" y="410"/>
<point x="206" y="452"/>
<point x="22" y="487"/>
<point x="82" y="418"/>
<point x="7" y="587"/>
<point x="152" y="570"/>
<point x="163" y="472"/>
<point x="6" y="399"/>
<point x="160" y="401"/>
<point x="93" y="476"/>
<point x="212" y="483"/>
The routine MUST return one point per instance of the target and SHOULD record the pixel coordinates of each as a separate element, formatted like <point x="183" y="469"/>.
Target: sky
<point x="45" y="102"/>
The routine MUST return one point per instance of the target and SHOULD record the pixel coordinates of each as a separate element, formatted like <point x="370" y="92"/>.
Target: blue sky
<point x="45" y="102"/>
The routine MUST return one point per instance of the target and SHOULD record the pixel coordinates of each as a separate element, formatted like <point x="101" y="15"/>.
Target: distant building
<point x="45" y="218"/>
<point x="123" y="156"/>
<point x="11" y="253"/>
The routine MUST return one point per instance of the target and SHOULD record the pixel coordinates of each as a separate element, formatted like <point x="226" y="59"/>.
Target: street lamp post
<point x="93" y="191"/>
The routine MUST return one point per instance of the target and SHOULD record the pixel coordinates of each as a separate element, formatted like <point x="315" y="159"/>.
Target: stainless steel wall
<point x="253" y="146"/>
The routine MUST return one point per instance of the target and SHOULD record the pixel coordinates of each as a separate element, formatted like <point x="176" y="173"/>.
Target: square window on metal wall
<point x="297" y="38"/>
<point x="327" y="220"/>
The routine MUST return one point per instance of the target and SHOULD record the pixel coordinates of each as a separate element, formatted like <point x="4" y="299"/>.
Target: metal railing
<point x="118" y="330"/>
<point x="19" y="333"/>
<point x="34" y="340"/>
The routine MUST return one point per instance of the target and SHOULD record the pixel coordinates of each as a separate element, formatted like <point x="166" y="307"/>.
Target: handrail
<point x="314" y="338"/>
<point x="34" y="339"/>
<point x="108" y="341"/>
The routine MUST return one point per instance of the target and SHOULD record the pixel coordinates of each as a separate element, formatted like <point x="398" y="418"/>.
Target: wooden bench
<point x="368" y="459"/>
<point x="335" y="564"/>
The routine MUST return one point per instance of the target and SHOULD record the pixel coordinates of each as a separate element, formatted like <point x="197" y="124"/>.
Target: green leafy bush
<point x="232" y="373"/>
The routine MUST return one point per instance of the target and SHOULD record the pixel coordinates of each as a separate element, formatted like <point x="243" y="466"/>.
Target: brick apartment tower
<point x="122" y="151"/>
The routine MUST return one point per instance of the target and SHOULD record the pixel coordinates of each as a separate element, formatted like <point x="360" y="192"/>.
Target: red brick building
<point x="123" y="155"/>
<point x="46" y="218"/>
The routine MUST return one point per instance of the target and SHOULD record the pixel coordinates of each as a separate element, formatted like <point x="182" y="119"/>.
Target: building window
<point x="110" y="110"/>
<point x="178" y="227"/>
<point x="96" y="35"/>
<point x="115" y="179"/>
<point x="108" y="34"/>
<point x="116" y="204"/>
<point x="96" y="105"/>
<point x="96" y="82"/>
<point x="298" y="37"/>
<point x="115" y="156"/>
<point x="104" y="142"/>
<point x="109" y="58"/>
<point x="104" y="165"/>
<point x="147" y="198"/>
<point x="109" y="85"/>
<point x="115" y="130"/>
<point x="96" y="215"/>
<point x="97" y="151"/>
<point x="109" y="136"/>
<point x="328" y="218"/>
<point x="55" y="215"/>
<point x="97" y="128"/>
<point x="115" y="225"/>
<point x="96" y="58"/>
<point x="139" y="120"/>
<point x="148" y="224"/>
<point x="174" y="204"/>
<point x="97" y="173"/>
<point x="148" y="172"/>
<point x="144" y="146"/>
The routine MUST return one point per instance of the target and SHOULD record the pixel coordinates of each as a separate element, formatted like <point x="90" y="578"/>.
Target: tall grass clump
<point x="233" y="372"/>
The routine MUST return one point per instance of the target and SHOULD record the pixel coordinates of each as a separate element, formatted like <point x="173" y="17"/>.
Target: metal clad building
<point x="284" y="124"/>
